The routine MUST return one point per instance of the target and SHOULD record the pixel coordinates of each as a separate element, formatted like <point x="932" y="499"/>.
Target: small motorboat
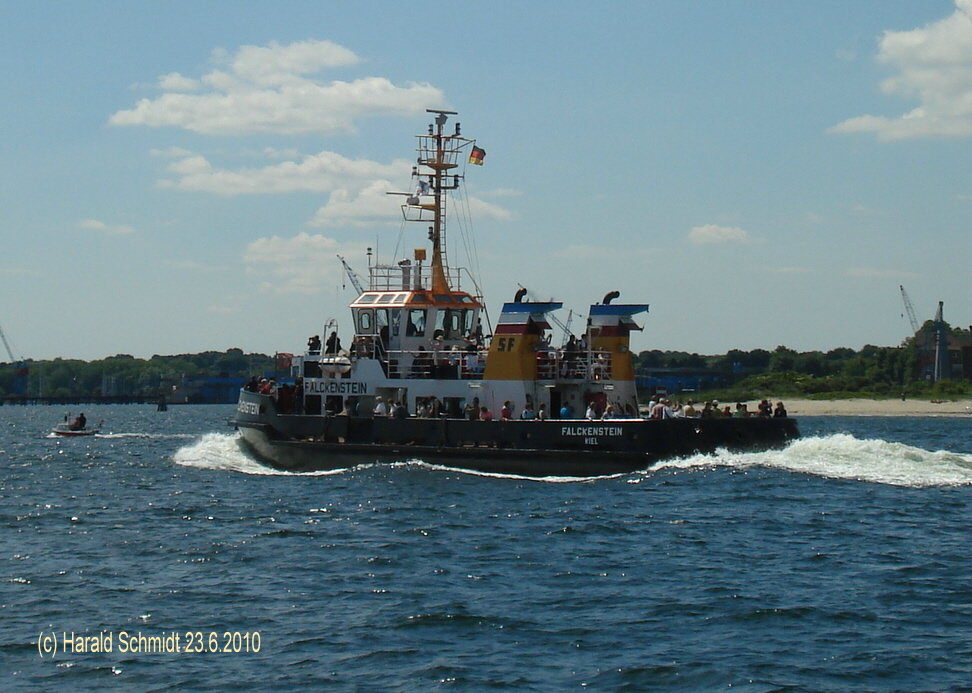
<point x="76" y="427"/>
<point x="64" y="429"/>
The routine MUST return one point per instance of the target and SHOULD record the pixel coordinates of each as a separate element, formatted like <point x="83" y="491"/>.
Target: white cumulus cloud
<point x="111" y="229"/>
<point x="323" y="172"/>
<point x="276" y="88"/>
<point x="878" y="273"/>
<point x="713" y="234"/>
<point x="934" y="66"/>
<point x="303" y="264"/>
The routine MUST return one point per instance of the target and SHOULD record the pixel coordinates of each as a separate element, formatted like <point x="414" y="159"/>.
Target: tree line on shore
<point x="871" y="371"/>
<point x="124" y="374"/>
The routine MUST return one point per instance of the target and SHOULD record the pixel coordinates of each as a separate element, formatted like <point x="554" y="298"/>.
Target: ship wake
<point x="839" y="456"/>
<point x="842" y="456"/>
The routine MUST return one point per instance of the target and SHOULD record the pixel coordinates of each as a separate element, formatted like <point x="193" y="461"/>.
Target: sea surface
<point x="841" y="563"/>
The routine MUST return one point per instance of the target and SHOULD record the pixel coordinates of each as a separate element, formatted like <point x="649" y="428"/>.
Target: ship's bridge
<point x="407" y="329"/>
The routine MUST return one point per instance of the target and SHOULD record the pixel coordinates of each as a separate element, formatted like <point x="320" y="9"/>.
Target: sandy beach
<point x="874" y="407"/>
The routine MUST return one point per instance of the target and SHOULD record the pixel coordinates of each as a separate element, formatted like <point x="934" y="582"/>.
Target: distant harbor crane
<point x="7" y="345"/>
<point x="355" y="279"/>
<point x="943" y="365"/>
<point x="910" y="309"/>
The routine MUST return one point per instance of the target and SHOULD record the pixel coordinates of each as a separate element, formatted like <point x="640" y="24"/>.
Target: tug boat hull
<point x="554" y="448"/>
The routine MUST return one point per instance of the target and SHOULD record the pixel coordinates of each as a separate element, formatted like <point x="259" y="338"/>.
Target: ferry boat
<point x="427" y="377"/>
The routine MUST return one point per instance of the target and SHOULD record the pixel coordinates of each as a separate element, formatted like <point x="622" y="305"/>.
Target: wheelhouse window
<point x="415" y="327"/>
<point x="366" y="321"/>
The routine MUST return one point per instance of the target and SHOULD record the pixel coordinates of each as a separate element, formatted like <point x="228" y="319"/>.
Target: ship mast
<point x="438" y="156"/>
<point x="439" y="165"/>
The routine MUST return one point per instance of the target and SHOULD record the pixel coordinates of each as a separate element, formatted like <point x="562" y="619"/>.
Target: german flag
<point x="477" y="155"/>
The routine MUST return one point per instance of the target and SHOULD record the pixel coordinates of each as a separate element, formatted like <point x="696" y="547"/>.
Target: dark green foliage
<point x="126" y="375"/>
<point x="873" y="371"/>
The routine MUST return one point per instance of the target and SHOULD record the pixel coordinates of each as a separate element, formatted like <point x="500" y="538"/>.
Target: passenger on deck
<point x="471" y="411"/>
<point x="609" y="413"/>
<point x="591" y="413"/>
<point x="252" y="385"/>
<point x="506" y="413"/>
<point x="333" y="344"/>
<point x="381" y="409"/>
<point x="661" y="410"/>
<point x="542" y="412"/>
<point x="314" y="345"/>
<point x="361" y="347"/>
<point x="566" y="412"/>
<point x="485" y="414"/>
<point x="528" y="414"/>
<point x="421" y="365"/>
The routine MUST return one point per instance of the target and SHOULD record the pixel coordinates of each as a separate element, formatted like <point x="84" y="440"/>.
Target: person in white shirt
<point x="381" y="409"/>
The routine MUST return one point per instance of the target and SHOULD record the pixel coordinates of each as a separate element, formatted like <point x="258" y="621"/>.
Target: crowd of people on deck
<point x="289" y="399"/>
<point x="440" y="360"/>
<point x="660" y="407"/>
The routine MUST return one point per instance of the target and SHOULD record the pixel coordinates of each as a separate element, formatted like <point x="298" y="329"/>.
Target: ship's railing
<point x="446" y="365"/>
<point x="462" y="364"/>
<point x="561" y="364"/>
<point x="409" y="277"/>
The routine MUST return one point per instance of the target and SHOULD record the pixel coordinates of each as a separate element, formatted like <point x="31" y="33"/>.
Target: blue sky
<point x="179" y="177"/>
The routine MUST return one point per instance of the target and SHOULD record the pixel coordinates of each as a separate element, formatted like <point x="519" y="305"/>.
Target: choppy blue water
<point x="841" y="563"/>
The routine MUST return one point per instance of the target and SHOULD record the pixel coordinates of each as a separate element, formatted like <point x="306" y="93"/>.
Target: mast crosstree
<point x="434" y="176"/>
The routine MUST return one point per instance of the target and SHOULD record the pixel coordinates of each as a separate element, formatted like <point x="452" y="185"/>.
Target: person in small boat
<point x="780" y="411"/>
<point x="79" y="422"/>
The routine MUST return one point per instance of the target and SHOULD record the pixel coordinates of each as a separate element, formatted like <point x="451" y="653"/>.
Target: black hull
<point x="564" y="448"/>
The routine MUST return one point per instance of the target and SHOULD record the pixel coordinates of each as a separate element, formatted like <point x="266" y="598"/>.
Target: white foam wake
<point x="838" y="456"/>
<point x="222" y="452"/>
<point x="843" y="456"/>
